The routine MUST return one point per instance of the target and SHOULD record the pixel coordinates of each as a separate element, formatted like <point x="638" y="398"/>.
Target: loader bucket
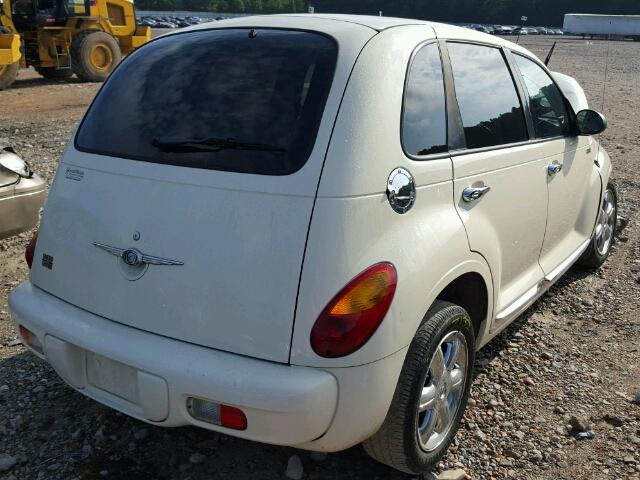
<point x="9" y="48"/>
<point x="141" y="36"/>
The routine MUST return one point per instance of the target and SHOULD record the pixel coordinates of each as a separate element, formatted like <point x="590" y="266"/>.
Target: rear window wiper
<point x="211" y="144"/>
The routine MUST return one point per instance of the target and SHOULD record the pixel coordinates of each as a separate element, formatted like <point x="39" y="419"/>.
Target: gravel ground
<point x="568" y="367"/>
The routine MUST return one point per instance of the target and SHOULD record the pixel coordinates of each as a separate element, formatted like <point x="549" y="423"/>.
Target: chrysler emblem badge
<point x="135" y="258"/>
<point x="132" y="257"/>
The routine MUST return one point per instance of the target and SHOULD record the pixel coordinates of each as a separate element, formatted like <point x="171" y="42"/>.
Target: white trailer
<point x="602" y="25"/>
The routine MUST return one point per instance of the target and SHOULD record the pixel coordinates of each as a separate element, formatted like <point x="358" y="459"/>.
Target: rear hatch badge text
<point x="74" y="174"/>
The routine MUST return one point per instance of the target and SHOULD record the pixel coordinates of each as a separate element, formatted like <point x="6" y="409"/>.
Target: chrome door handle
<point x="554" y="169"/>
<point x="402" y="198"/>
<point x="471" y="194"/>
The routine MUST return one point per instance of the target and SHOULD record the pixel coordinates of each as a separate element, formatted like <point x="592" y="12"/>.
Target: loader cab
<point x="30" y="15"/>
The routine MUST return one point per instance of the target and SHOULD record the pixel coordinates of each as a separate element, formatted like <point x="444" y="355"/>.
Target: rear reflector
<point x="29" y="339"/>
<point x="216" y="414"/>
<point x="232" y="417"/>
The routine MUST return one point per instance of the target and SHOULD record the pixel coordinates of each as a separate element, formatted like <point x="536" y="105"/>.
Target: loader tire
<point x="54" y="73"/>
<point x="8" y="74"/>
<point x="94" y="54"/>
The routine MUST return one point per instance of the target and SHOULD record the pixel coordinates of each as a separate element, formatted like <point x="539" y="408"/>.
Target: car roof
<point x="328" y="21"/>
<point x="374" y="22"/>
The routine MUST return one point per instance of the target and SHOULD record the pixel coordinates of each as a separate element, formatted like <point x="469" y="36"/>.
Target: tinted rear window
<point x="230" y="99"/>
<point x="424" y="121"/>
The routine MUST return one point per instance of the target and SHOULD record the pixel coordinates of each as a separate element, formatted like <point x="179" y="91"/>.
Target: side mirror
<point x="12" y="162"/>
<point x="590" y="122"/>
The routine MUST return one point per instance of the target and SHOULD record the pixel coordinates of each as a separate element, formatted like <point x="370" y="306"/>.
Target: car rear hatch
<point x="183" y="207"/>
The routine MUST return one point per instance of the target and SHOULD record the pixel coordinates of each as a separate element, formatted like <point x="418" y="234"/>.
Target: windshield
<point x="237" y="100"/>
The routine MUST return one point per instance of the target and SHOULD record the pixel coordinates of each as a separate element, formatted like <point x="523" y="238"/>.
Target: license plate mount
<point x="112" y="377"/>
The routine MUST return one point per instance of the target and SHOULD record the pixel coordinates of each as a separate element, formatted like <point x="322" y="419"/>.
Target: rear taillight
<point x="31" y="249"/>
<point x="355" y="313"/>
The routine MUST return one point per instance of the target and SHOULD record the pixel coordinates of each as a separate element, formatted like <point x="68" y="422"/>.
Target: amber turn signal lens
<point x="355" y="313"/>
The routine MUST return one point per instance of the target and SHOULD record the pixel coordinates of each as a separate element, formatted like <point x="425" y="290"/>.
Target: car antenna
<point x="604" y="91"/>
<point x="606" y="71"/>
<point x="548" y="59"/>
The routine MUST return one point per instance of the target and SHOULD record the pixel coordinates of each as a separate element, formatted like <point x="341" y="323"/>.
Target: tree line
<point x="226" y="6"/>
<point x="539" y="12"/>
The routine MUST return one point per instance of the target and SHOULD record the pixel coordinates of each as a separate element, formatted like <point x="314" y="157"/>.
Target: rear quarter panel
<point x="353" y="226"/>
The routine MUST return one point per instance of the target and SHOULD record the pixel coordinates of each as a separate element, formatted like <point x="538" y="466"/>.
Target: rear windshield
<point x="238" y="100"/>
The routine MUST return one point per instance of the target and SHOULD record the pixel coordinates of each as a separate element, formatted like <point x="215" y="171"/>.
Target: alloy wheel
<point x="606" y="223"/>
<point x="443" y="391"/>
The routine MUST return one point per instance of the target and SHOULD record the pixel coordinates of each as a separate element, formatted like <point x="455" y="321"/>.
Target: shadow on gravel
<point x="41" y="82"/>
<point x="510" y="334"/>
<point x="65" y="435"/>
<point x="57" y="433"/>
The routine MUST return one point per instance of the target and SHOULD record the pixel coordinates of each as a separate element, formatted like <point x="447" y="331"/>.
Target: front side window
<point x="237" y="100"/>
<point x="424" y="122"/>
<point x="550" y="118"/>
<point x="489" y="105"/>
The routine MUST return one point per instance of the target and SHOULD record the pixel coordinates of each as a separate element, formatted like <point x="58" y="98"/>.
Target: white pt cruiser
<point x="299" y="229"/>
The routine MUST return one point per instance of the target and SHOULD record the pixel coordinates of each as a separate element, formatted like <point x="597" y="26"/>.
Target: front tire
<point x="431" y="394"/>
<point x="605" y="231"/>
<point x="94" y="55"/>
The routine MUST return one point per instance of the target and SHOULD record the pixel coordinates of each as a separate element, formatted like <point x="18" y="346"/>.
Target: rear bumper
<point x="284" y="405"/>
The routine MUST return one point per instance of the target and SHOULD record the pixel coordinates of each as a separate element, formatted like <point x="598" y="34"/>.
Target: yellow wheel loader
<point x="62" y="37"/>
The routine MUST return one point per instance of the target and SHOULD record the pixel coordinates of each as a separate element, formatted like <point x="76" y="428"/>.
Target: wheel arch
<point x="468" y="291"/>
<point x="470" y="286"/>
<point x="604" y="164"/>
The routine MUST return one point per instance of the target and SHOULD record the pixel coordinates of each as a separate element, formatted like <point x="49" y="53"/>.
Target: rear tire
<point x="427" y="406"/>
<point x="8" y="74"/>
<point x="54" y="73"/>
<point x="94" y="55"/>
<point x="605" y="231"/>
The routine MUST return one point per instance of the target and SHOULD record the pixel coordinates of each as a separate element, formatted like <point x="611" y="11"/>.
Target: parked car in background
<point x="22" y="194"/>
<point x="311" y="263"/>
<point x="169" y="22"/>
<point x="482" y="28"/>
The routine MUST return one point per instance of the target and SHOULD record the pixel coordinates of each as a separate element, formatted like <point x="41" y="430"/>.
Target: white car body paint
<point x="221" y="327"/>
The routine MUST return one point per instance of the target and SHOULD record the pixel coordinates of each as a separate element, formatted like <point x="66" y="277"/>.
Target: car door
<point x="500" y="186"/>
<point x="573" y="181"/>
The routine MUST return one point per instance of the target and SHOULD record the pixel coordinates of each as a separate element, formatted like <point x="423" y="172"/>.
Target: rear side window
<point x="491" y="110"/>
<point x="550" y="118"/>
<point x="424" y="123"/>
<point x="237" y="100"/>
